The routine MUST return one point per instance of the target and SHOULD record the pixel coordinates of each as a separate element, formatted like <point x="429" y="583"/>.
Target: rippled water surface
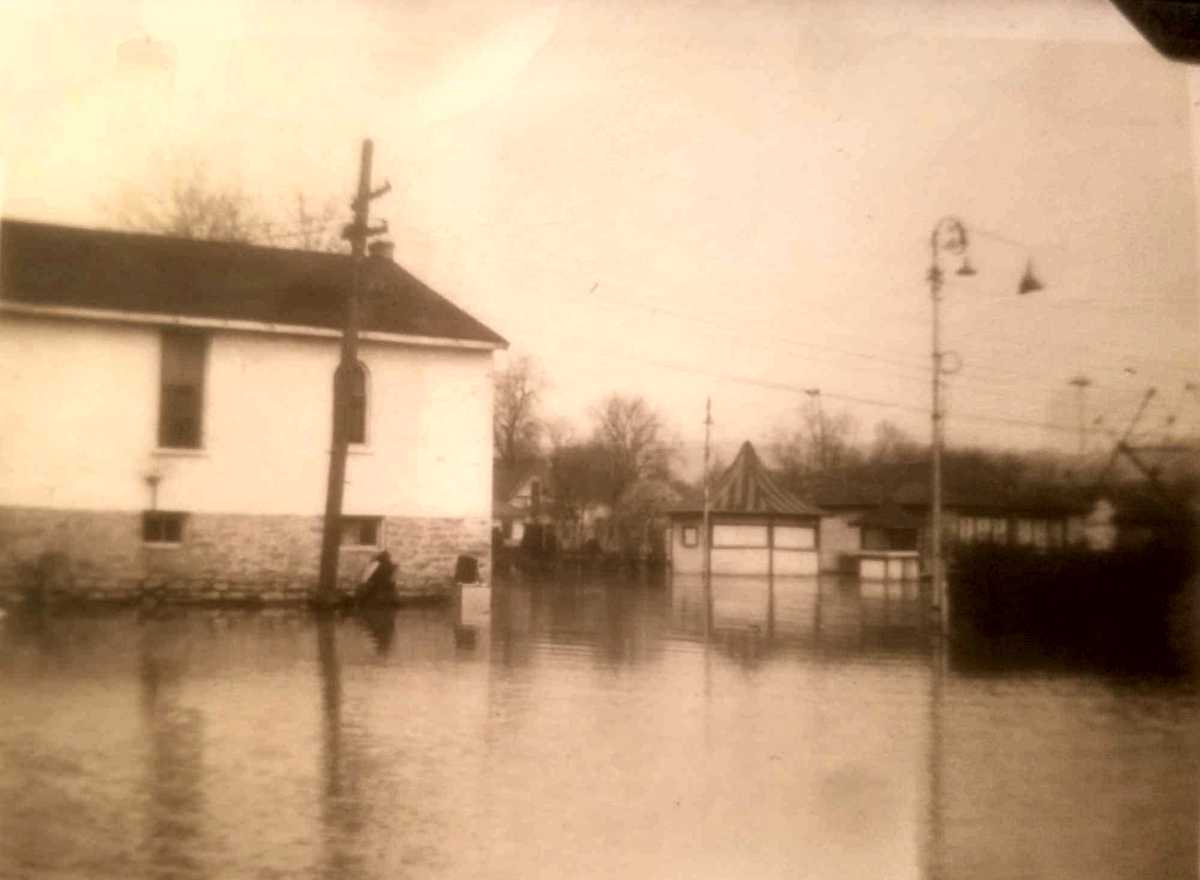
<point x="580" y="729"/>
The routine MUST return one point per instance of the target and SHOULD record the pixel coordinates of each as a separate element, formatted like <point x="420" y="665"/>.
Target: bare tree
<point x="192" y="206"/>
<point x="893" y="444"/>
<point x="633" y="441"/>
<point x="577" y="479"/>
<point x="316" y="229"/>
<point x="516" y="424"/>
<point x="559" y="433"/>
<point x="624" y="468"/>
<point x="822" y="442"/>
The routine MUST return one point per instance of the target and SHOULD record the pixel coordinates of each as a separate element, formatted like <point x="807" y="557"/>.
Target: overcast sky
<point x="683" y="199"/>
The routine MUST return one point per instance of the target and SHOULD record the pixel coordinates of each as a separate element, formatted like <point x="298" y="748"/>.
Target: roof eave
<point x="168" y="320"/>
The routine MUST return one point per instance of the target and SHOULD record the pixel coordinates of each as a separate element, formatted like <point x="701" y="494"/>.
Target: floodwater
<point x="580" y="729"/>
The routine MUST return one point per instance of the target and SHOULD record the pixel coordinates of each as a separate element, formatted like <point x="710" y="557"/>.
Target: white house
<point x="167" y="409"/>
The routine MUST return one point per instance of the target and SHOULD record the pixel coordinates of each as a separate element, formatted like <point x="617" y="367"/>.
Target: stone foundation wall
<point x="100" y="555"/>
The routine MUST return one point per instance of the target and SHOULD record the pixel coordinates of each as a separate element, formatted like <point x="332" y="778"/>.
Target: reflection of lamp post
<point x="949" y="236"/>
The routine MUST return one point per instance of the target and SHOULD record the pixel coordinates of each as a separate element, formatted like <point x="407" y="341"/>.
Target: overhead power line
<point x="776" y="385"/>
<point x="906" y="370"/>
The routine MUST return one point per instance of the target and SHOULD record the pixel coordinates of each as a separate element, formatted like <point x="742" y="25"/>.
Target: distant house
<point x="1133" y="515"/>
<point x="756" y="526"/>
<point x="167" y="406"/>
<point x="520" y="497"/>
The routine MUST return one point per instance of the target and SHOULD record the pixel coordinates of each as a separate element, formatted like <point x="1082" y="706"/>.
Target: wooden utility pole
<point x="357" y="233"/>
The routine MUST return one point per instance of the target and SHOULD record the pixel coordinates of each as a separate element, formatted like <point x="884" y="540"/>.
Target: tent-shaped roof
<point x="748" y="487"/>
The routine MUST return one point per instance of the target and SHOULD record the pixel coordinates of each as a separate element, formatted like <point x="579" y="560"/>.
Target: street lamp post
<point x="949" y="236"/>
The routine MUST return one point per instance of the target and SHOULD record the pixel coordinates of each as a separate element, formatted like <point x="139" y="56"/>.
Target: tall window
<point x="181" y="400"/>
<point x="356" y="405"/>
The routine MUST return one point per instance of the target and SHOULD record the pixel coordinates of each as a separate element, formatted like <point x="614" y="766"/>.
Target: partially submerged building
<point x="756" y="527"/>
<point x="167" y="409"/>
<point x="878" y="518"/>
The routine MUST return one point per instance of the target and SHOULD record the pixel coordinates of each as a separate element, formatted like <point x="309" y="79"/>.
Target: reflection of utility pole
<point x="1081" y="384"/>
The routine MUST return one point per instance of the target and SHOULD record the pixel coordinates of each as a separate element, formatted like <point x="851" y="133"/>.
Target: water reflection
<point x="341" y="764"/>
<point x="175" y="844"/>
<point x="750" y="617"/>
<point x="584" y="728"/>
<point x="474" y="617"/>
<point x="380" y="625"/>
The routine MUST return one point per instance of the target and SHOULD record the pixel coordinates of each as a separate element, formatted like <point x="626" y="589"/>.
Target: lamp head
<point x="1029" y="281"/>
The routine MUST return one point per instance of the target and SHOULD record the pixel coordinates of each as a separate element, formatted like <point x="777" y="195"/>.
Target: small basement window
<point x="361" y="531"/>
<point x="691" y="536"/>
<point x="162" y="527"/>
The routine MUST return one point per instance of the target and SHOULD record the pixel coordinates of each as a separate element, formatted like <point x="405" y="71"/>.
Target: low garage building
<point x="755" y="526"/>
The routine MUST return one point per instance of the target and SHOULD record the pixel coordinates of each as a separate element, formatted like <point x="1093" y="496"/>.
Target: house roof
<point x="60" y="267"/>
<point x="508" y="477"/>
<point x="506" y="510"/>
<point x="748" y="487"/>
<point x="907" y="486"/>
<point x="888" y="515"/>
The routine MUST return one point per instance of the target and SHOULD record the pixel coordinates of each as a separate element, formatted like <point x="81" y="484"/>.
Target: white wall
<point x="684" y="559"/>
<point x="77" y="409"/>
<point x="838" y="536"/>
<point x="796" y="562"/>
<point x="79" y="400"/>
<point x="737" y="560"/>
